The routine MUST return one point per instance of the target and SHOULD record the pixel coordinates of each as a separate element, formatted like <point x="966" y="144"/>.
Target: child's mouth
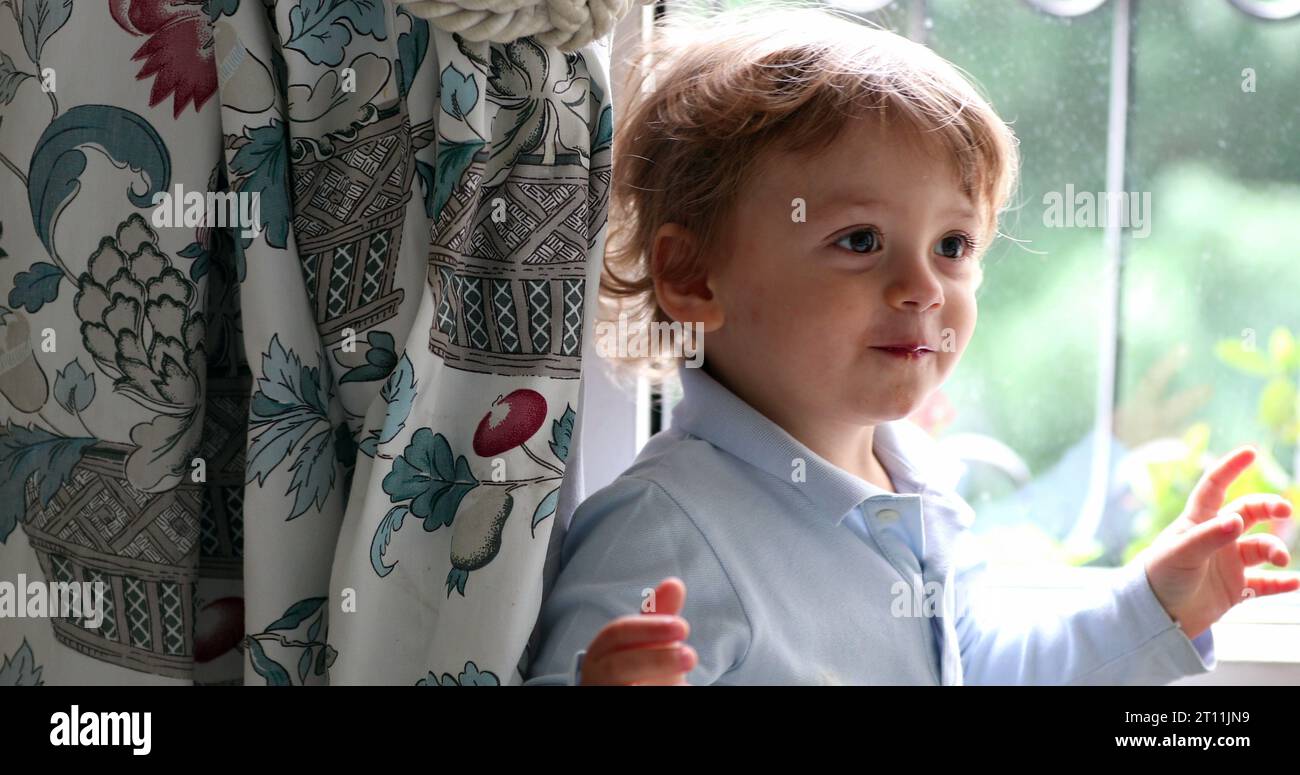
<point x="906" y="352"/>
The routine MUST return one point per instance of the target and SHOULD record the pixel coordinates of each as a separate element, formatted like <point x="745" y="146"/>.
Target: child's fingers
<point x="1207" y="497"/>
<point x="1264" y="547"/>
<point x="1257" y="507"/>
<point x="642" y="665"/>
<point x="1199" y="543"/>
<point x="1262" y="583"/>
<point x="633" y="631"/>
<point x="670" y="596"/>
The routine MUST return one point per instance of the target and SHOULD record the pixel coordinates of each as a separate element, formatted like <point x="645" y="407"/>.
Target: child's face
<point x="806" y="307"/>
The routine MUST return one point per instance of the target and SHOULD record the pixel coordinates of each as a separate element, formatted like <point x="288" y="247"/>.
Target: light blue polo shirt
<point x="798" y="572"/>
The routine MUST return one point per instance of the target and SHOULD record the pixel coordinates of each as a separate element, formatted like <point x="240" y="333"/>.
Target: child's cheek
<point x="747" y="311"/>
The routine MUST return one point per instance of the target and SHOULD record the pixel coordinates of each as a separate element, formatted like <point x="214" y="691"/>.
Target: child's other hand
<point x="643" y="649"/>
<point x="1197" y="565"/>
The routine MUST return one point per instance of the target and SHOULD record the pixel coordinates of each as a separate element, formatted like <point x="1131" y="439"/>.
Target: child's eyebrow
<point x="961" y="211"/>
<point x="843" y="202"/>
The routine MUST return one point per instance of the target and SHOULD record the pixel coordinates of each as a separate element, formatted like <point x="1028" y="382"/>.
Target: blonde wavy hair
<point x="709" y="97"/>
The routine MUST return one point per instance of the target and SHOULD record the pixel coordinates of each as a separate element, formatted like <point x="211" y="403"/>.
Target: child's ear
<point x="681" y="280"/>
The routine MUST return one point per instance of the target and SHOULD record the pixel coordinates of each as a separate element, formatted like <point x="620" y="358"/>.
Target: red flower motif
<point x="512" y="420"/>
<point x="218" y="628"/>
<point x="178" y="51"/>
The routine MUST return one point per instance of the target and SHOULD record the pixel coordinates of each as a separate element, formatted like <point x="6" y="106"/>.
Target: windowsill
<point x="1263" y="631"/>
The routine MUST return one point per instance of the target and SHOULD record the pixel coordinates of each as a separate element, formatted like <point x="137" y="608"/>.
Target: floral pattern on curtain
<point x="327" y="449"/>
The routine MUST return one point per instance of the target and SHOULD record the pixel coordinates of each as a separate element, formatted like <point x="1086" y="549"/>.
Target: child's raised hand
<point x="1197" y="565"/>
<point x="643" y="649"/>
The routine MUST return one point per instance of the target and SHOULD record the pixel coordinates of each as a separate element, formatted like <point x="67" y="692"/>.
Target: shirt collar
<point x="708" y="410"/>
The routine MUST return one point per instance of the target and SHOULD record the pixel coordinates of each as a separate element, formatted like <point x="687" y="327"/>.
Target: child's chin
<point x="890" y="410"/>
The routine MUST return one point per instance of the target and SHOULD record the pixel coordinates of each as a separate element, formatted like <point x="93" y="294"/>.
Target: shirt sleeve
<point x="623" y="541"/>
<point x="1123" y="637"/>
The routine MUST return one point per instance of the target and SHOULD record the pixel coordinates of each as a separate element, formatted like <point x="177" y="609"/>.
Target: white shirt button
<point x="887" y="515"/>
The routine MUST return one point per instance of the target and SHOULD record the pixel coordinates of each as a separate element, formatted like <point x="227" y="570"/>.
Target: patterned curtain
<point x="290" y="345"/>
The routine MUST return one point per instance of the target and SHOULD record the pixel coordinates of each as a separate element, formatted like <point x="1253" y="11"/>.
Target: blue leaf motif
<point x="275" y="440"/>
<point x="425" y="170"/>
<point x="288" y="412"/>
<point x="296" y="614"/>
<point x="263" y="162"/>
<point x="546" y="508"/>
<point x="459" y="92"/>
<point x="391" y="523"/>
<point x="41" y="19"/>
<point x="399" y="392"/>
<point x="453" y="160"/>
<point x="268" y="668"/>
<point x="220" y="8"/>
<point x="324" y="658"/>
<point x="319" y="28"/>
<point x="304" y="664"/>
<point x="58" y="161"/>
<point x="313" y="472"/>
<point x="281" y="370"/>
<point x="604" y="134"/>
<point x="10" y="79"/>
<point x="74" y="389"/>
<point x="28" y="452"/>
<point x="426" y="476"/>
<point x="36" y="287"/>
<point x="472" y="676"/>
<point x="380" y="360"/>
<point x="456" y="579"/>
<point x="21" y="669"/>
<point x="411" y="48"/>
<point x="562" y="433"/>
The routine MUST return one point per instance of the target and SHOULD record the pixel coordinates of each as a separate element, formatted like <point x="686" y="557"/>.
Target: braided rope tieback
<point x="566" y="24"/>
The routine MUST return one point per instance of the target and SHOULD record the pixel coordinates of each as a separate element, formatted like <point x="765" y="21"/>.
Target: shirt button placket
<point x="886" y="526"/>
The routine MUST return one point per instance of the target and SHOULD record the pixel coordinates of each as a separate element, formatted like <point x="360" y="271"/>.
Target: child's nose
<point x="914" y="286"/>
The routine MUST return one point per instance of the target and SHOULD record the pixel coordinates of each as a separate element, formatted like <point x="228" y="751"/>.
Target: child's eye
<point x="954" y="246"/>
<point x="861" y="241"/>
